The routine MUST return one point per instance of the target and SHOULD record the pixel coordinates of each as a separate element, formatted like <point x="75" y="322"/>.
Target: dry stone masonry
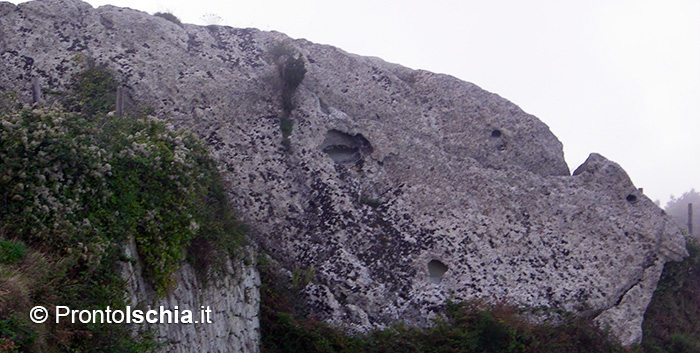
<point x="231" y="300"/>
<point x="399" y="188"/>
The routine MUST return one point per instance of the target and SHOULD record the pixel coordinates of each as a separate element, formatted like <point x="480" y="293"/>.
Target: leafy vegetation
<point x="11" y="251"/>
<point x="212" y="19"/>
<point x="286" y="125"/>
<point x="94" y="89"/>
<point x="290" y="65"/>
<point x="672" y="321"/>
<point x="292" y="69"/>
<point x="76" y="184"/>
<point x="170" y="17"/>
<point x="471" y="326"/>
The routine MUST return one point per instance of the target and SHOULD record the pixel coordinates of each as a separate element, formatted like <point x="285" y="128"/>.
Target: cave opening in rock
<point x="496" y="133"/>
<point x="436" y="269"/>
<point x="344" y="148"/>
<point x="631" y="198"/>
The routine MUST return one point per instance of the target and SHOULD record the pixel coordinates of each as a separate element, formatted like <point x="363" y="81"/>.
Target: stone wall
<point x="232" y="295"/>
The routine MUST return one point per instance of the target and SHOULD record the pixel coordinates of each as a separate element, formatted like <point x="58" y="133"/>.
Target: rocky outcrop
<point x="399" y="188"/>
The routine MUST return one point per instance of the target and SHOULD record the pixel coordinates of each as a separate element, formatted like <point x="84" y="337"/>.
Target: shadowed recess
<point x="436" y="269"/>
<point x="344" y="148"/>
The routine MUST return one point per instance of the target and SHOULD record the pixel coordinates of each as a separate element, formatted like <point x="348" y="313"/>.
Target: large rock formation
<point x="399" y="188"/>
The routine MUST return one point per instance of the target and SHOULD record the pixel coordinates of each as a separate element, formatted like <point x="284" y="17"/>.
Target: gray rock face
<point x="399" y="188"/>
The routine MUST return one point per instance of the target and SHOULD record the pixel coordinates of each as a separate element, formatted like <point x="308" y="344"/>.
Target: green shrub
<point x="9" y="101"/>
<point x="287" y="144"/>
<point x="93" y="90"/>
<point x="280" y="49"/>
<point x="286" y="125"/>
<point x="469" y="326"/>
<point x="681" y="343"/>
<point x="76" y="185"/>
<point x="169" y="16"/>
<point x="67" y="182"/>
<point x="293" y="72"/>
<point x="15" y="333"/>
<point x="291" y="68"/>
<point x="52" y="173"/>
<point x="672" y="320"/>
<point x="11" y="251"/>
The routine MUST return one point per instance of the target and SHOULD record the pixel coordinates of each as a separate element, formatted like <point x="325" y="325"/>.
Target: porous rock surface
<point x="387" y="169"/>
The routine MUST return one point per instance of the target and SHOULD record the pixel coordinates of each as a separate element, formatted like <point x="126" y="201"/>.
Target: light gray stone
<point x="388" y="169"/>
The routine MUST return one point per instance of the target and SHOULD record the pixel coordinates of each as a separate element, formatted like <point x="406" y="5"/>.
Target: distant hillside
<point x="677" y="208"/>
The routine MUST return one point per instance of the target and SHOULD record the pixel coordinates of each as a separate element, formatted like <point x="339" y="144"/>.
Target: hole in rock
<point x="496" y="133"/>
<point x="631" y="198"/>
<point x="344" y="148"/>
<point x="343" y="154"/>
<point x="436" y="269"/>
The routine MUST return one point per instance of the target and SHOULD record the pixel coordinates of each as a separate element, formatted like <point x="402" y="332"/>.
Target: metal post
<point x="690" y="218"/>
<point x="36" y="90"/>
<point x="120" y="102"/>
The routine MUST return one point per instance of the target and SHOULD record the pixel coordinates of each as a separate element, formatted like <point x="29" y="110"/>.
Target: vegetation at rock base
<point x="472" y="326"/>
<point x="672" y="321"/>
<point x="671" y="324"/>
<point x="76" y="184"/>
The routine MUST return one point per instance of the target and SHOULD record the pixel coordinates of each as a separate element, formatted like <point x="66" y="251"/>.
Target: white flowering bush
<point x="81" y="185"/>
<point x="52" y="174"/>
<point x="75" y="185"/>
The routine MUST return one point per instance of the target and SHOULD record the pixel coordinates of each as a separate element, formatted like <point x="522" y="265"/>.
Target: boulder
<point x="399" y="189"/>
